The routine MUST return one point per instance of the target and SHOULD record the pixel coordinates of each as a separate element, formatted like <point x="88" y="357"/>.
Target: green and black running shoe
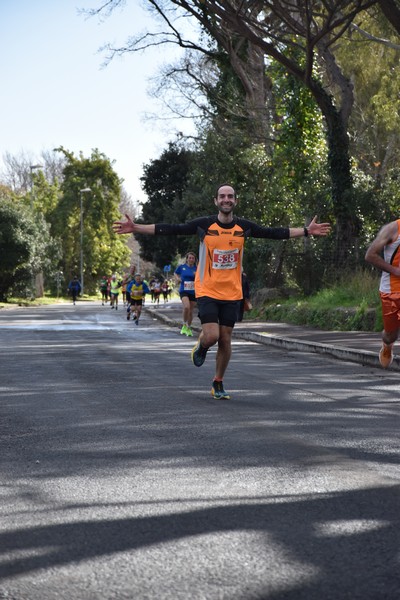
<point x="199" y="354"/>
<point x="218" y="392"/>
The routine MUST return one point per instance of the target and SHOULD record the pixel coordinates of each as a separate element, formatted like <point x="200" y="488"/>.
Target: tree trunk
<point x="391" y="10"/>
<point x="253" y="78"/>
<point x="341" y="178"/>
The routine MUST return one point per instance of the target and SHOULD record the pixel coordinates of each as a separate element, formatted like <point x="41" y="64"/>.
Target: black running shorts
<point x="223" y="312"/>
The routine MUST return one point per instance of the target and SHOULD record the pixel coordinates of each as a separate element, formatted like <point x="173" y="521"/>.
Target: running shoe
<point x="199" y="354"/>
<point x="128" y="315"/>
<point x="189" y="331"/>
<point x="218" y="392"/>
<point x="134" y="316"/>
<point x="386" y="355"/>
<point x="184" y="330"/>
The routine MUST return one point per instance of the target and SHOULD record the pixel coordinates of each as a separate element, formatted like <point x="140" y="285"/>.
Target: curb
<point x="364" y="357"/>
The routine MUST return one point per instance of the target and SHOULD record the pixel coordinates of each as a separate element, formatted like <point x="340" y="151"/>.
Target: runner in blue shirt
<point x="74" y="288"/>
<point x="185" y="274"/>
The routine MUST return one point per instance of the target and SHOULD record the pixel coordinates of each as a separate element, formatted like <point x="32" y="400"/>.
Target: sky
<point x="55" y="91"/>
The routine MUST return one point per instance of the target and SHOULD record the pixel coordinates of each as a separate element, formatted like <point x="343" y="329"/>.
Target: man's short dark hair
<point x="223" y="185"/>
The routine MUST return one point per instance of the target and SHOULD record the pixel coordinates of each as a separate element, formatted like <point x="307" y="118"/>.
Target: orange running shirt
<point x="219" y="272"/>
<point x="390" y="284"/>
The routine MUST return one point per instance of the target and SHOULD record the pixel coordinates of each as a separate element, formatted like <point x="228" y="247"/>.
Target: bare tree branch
<point x="373" y="38"/>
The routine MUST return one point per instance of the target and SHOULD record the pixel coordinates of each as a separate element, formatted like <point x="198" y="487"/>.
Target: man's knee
<point x="389" y="337"/>
<point x="210" y="334"/>
<point x="209" y="339"/>
<point x="225" y="337"/>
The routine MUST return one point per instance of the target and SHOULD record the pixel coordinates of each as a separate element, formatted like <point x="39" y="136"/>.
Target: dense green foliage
<point x="41" y="228"/>
<point x="103" y="251"/>
<point x="25" y="249"/>
<point x="164" y="182"/>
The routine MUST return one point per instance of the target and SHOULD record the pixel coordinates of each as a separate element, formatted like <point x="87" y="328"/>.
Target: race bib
<point x="188" y="286"/>
<point x="225" y="259"/>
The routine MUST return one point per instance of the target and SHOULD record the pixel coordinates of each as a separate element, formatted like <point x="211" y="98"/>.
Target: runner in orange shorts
<point x="384" y="253"/>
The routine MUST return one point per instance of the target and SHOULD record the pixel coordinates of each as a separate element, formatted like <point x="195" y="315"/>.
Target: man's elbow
<point x="368" y="256"/>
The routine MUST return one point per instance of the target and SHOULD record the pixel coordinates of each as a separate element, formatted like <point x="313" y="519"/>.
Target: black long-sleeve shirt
<point x="221" y="252"/>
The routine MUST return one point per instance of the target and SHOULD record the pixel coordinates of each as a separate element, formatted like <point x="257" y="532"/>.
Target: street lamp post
<point x="83" y="191"/>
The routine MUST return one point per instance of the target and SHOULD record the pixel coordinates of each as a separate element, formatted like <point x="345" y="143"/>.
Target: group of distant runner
<point x="133" y="289"/>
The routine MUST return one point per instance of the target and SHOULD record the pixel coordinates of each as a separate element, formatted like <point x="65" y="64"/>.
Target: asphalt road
<point x="121" y="478"/>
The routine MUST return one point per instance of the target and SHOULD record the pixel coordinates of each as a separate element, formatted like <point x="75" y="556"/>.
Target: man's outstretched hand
<point x="127" y="226"/>
<point x="315" y="228"/>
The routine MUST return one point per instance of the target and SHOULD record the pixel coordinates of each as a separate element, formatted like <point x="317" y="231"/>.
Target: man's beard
<point x="226" y="209"/>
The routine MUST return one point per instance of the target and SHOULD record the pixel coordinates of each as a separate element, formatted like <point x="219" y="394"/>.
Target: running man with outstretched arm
<point x="218" y="283"/>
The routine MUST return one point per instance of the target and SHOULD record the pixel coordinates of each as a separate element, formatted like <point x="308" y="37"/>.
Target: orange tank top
<point x="219" y="273"/>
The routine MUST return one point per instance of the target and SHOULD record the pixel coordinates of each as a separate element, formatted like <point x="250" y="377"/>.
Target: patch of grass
<point x="351" y="290"/>
<point x="350" y="305"/>
<point x="45" y="300"/>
